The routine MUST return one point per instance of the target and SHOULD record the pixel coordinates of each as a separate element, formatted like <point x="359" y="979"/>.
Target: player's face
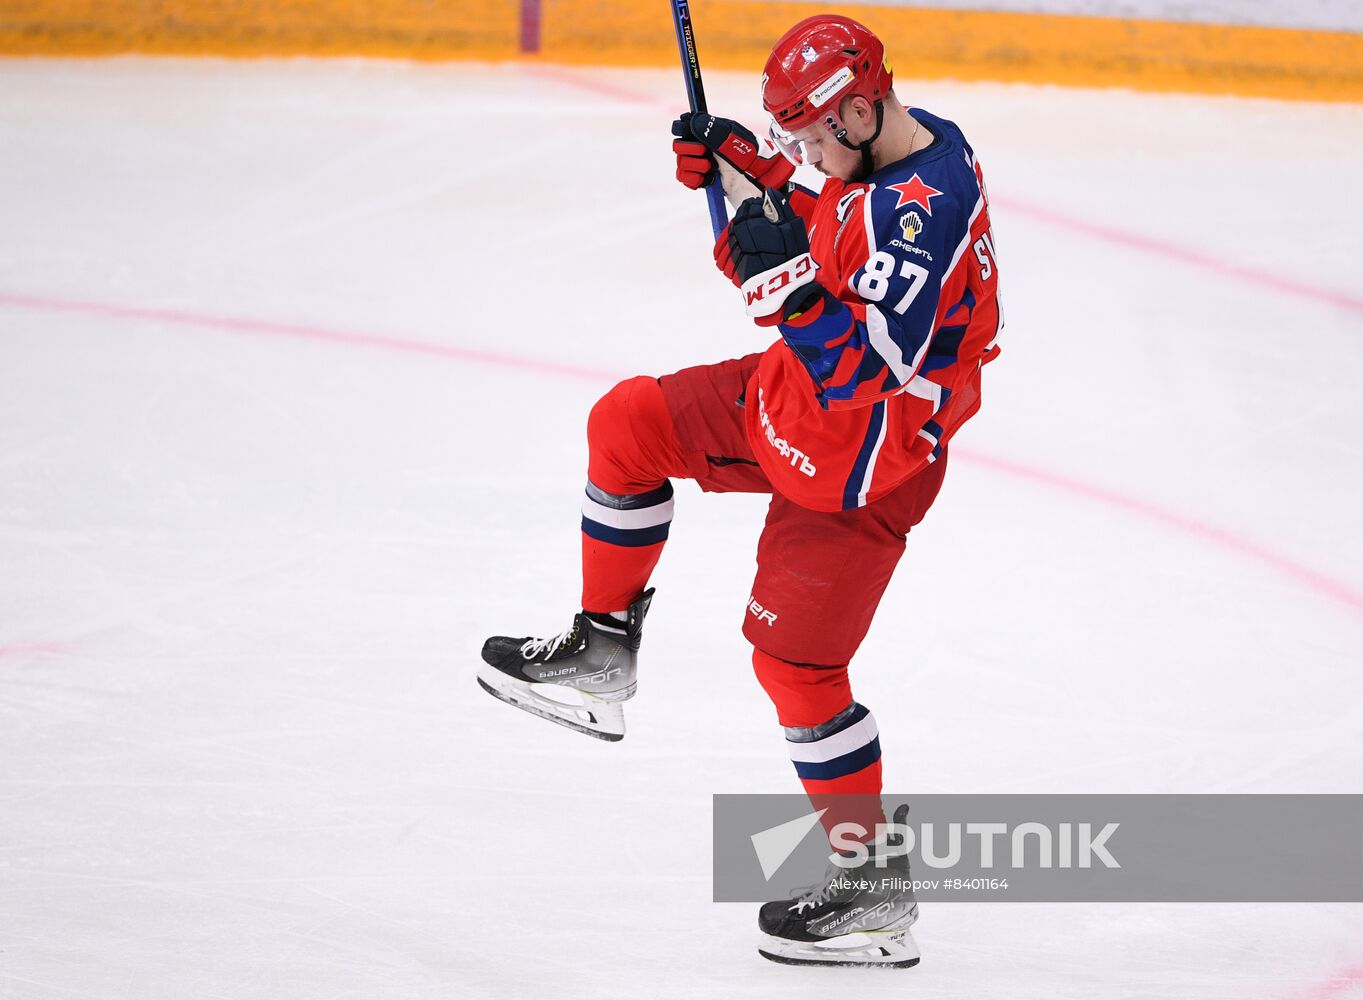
<point x="818" y="146"/>
<point x="836" y="160"/>
<point x="815" y="146"/>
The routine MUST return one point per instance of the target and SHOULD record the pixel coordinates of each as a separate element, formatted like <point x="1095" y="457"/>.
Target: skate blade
<point x="868" y="950"/>
<point x="605" y="720"/>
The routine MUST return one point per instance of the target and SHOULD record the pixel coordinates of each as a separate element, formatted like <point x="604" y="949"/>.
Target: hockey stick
<point x="695" y="93"/>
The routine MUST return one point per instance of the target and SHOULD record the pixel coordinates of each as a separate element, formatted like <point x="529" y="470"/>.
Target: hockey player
<point x="882" y="290"/>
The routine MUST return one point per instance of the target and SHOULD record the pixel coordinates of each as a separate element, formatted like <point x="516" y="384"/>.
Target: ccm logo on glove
<point x="765" y="252"/>
<point x="765" y="293"/>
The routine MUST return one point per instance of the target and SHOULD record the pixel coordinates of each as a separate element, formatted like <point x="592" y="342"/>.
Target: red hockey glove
<point x="765" y="252"/>
<point x="700" y="138"/>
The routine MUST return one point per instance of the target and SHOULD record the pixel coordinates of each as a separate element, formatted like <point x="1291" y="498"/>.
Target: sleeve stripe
<point x="878" y="333"/>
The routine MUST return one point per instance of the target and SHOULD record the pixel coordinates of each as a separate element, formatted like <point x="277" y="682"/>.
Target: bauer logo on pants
<point x="1048" y="848"/>
<point x="760" y="613"/>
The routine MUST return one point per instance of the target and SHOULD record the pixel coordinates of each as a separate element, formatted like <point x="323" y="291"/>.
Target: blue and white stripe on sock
<point x="627" y="519"/>
<point x="841" y="746"/>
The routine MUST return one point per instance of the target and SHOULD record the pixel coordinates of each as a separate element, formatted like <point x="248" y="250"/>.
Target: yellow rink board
<point x="732" y="34"/>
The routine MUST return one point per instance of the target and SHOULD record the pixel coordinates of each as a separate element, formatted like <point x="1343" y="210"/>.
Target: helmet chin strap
<point x="864" y="148"/>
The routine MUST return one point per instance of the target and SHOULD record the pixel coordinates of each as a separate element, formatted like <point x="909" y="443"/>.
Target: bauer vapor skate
<point x="855" y="917"/>
<point x="578" y="679"/>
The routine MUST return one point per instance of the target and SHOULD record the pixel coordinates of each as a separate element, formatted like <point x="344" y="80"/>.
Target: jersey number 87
<point x="874" y="280"/>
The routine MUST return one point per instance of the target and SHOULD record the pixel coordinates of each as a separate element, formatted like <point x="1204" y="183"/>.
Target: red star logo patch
<point x="914" y="192"/>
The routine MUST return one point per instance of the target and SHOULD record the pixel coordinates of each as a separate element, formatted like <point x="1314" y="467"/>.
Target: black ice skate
<point x="855" y="917"/>
<point x="578" y="679"/>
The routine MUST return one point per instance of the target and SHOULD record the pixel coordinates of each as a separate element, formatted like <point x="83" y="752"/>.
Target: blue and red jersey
<point x="866" y="388"/>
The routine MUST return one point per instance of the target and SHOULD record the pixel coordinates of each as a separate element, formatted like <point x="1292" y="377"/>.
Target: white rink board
<point x="1329" y="15"/>
<point x="248" y="563"/>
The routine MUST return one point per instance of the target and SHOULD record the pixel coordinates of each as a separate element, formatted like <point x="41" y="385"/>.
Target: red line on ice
<point x="8" y="649"/>
<point x="1160" y="248"/>
<point x="1344" y="979"/>
<point x="1302" y="574"/>
<point x="558" y="75"/>
<point x="176" y="317"/>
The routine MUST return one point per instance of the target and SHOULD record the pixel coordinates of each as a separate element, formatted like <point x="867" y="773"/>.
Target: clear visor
<point x="804" y="145"/>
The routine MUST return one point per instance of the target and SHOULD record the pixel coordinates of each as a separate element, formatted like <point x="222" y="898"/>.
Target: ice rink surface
<point x="296" y="358"/>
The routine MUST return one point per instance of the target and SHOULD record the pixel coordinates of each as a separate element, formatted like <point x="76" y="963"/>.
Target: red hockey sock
<point x="628" y="507"/>
<point x="832" y="740"/>
<point x="622" y="538"/>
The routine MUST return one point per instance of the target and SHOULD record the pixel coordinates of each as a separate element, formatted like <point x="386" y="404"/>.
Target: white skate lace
<point x="816" y="895"/>
<point x="532" y="648"/>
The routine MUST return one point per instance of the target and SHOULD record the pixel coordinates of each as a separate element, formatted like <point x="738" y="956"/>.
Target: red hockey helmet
<point x="816" y="64"/>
